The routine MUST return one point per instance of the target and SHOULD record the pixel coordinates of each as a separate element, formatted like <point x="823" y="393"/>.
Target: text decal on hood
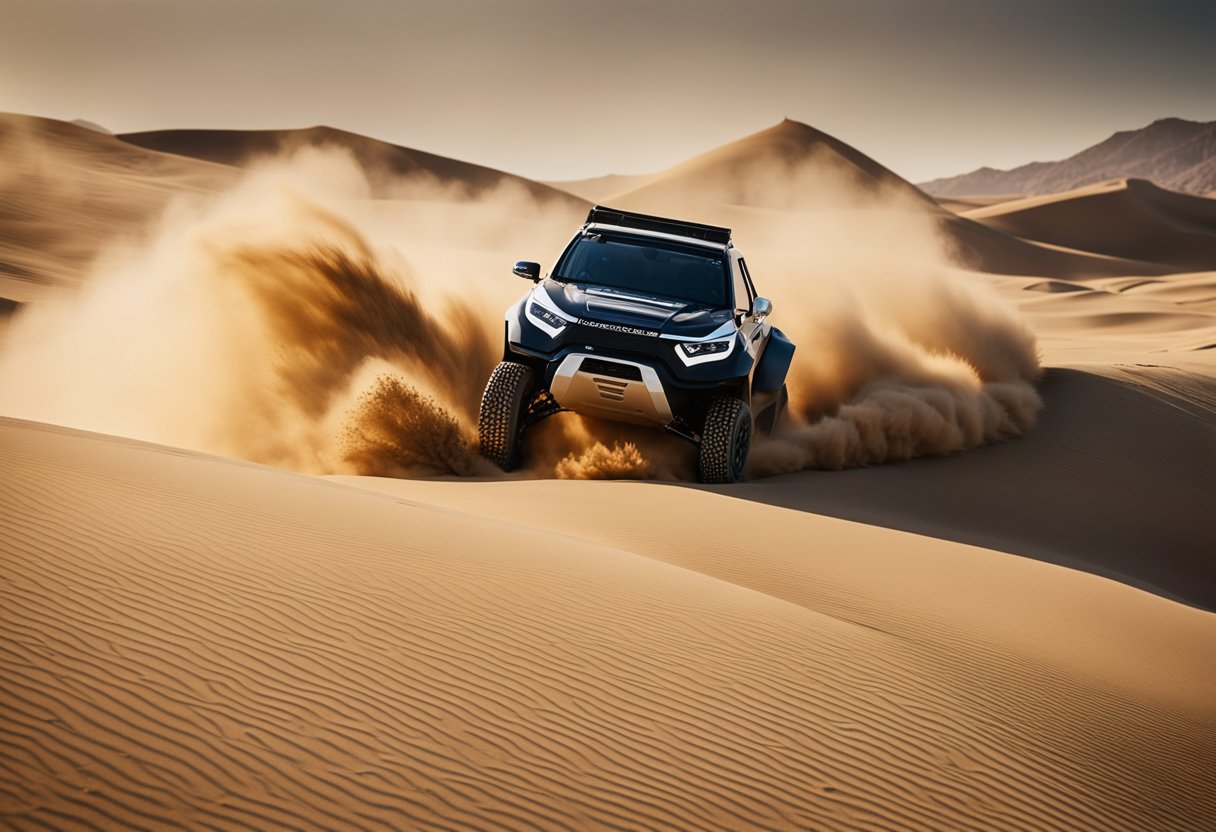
<point x="628" y="330"/>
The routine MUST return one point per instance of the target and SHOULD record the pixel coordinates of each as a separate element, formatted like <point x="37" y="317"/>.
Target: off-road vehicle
<point x="646" y="320"/>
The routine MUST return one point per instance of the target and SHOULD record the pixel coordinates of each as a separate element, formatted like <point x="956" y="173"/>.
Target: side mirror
<point x="761" y="308"/>
<point x="529" y="270"/>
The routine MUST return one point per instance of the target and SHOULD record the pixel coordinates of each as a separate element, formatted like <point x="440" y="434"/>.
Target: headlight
<point x="693" y="349"/>
<point x="553" y="320"/>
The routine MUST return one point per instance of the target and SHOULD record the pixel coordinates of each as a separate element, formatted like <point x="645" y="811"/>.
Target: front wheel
<point x="725" y="441"/>
<point x="500" y="421"/>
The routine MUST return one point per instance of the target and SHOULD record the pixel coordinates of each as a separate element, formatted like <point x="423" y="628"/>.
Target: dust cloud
<point x="306" y="320"/>
<point x="901" y="352"/>
<point x="896" y="364"/>
<point x="253" y="324"/>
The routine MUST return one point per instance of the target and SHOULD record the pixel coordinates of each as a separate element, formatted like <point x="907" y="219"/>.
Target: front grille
<point x="614" y="369"/>
<point x="616" y="340"/>
<point x="634" y="347"/>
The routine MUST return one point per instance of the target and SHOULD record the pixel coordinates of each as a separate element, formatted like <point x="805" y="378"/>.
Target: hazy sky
<point x="555" y="90"/>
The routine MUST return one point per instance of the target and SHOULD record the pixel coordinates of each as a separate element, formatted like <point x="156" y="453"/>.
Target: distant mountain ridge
<point x="1172" y="152"/>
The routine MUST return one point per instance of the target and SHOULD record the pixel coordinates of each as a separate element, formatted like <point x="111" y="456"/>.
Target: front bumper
<point x="526" y="338"/>
<point x="644" y="381"/>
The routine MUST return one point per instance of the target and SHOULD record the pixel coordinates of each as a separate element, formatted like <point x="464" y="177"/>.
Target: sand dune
<point x="1159" y="323"/>
<point x="192" y="641"/>
<point x="986" y="248"/>
<point x="1195" y="291"/>
<point x="787" y="169"/>
<point x="600" y="188"/>
<point x="1131" y="219"/>
<point x="383" y="160"/>
<point x="793" y="170"/>
<point x="775" y="168"/>
<point x="67" y="190"/>
<point x="1013" y="637"/>
<point x="1127" y="450"/>
<point x="965" y="202"/>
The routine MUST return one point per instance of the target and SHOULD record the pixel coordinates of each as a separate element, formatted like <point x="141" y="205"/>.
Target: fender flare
<point x="774" y="363"/>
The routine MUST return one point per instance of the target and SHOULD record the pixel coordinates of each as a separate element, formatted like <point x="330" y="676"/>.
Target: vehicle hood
<point x="668" y="316"/>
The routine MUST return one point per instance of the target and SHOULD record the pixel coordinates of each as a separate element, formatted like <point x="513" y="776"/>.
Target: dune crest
<point x="1127" y="218"/>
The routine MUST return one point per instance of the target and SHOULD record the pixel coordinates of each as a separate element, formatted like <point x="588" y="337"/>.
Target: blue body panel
<point x="774" y="363"/>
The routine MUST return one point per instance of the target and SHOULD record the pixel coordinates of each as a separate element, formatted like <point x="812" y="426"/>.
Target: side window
<point x="743" y="298"/>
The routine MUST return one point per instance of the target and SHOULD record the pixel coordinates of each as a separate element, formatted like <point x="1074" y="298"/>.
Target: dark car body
<point x="646" y="320"/>
<point x="623" y="351"/>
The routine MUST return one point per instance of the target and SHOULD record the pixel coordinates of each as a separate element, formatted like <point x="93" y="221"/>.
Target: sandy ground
<point x="1015" y="636"/>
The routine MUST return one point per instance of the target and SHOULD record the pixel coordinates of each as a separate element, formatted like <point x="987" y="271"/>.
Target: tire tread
<point x="499" y="421"/>
<point x="714" y="461"/>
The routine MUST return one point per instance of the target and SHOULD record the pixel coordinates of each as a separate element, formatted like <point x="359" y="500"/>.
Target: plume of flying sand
<point x="599" y="462"/>
<point x="264" y="323"/>
<point x="243" y="325"/>
<point x="396" y="431"/>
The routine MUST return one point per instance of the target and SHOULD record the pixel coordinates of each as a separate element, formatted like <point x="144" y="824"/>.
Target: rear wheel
<point x="501" y="420"/>
<point x="725" y="441"/>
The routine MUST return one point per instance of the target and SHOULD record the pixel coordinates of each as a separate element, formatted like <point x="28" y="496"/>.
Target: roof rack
<point x="628" y="219"/>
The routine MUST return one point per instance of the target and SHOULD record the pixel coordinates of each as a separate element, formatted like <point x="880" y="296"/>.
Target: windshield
<point x="657" y="267"/>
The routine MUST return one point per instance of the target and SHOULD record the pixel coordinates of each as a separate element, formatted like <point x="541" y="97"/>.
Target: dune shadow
<point x="1116" y="480"/>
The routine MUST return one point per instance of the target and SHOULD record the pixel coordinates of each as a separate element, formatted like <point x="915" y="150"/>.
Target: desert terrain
<point x="254" y="575"/>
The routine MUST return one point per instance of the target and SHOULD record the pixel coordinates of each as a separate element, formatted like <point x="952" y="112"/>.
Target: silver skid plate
<point x="611" y="388"/>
